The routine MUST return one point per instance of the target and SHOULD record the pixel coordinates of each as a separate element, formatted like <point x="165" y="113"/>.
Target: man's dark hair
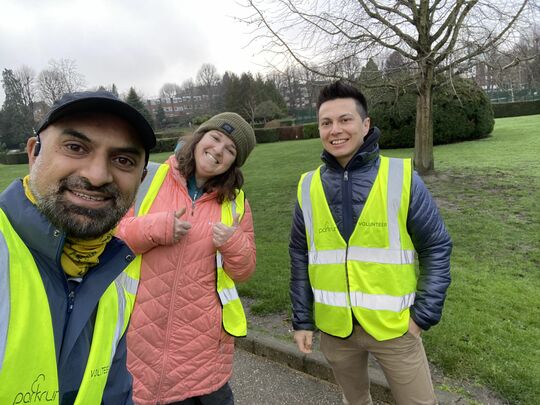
<point x="340" y="89"/>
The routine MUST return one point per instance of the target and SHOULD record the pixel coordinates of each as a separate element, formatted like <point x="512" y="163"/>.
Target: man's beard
<point x="82" y="222"/>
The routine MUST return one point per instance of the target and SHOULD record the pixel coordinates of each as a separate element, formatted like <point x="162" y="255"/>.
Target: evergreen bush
<point x="516" y="109"/>
<point x="461" y="111"/>
<point x="14" y="158"/>
<point x="165" y="145"/>
<point x="311" y="130"/>
<point x="266" y="135"/>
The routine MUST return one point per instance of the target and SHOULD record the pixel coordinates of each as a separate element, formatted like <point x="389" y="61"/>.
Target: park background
<point x="453" y="85"/>
<point x="487" y="191"/>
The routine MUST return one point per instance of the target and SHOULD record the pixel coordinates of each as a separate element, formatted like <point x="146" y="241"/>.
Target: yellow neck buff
<point x="78" y="254"/>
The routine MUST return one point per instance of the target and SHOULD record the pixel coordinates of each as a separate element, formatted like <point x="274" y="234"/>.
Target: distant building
<point x="183" y="106"/>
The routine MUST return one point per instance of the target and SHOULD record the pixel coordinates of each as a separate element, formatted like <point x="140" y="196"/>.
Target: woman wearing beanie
<point x="194" y="229"/>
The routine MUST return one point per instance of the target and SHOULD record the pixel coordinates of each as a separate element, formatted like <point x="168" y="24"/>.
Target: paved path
<point x="259" y="381"/>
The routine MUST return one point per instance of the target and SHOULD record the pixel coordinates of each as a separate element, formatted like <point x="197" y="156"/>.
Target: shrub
<point x="311" y="130"/>
<point x="286" y="122"/>
<point x="290" y="133"/>
<point x="14" y="158"/>
<point x="165" y="145"/>
<point x="461" y="111"/>
<point x="516" y="109"/>
<point x="200" y="119"/>
<point x="266" y="135"/>
<point x="272" y="124"/>
<point x="169" y="133"/>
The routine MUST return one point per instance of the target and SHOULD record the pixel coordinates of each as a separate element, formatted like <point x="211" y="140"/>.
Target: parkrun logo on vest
<point x="373" y="224"/>
<point x="35" y="395"/>
<point x="327" y="228"/>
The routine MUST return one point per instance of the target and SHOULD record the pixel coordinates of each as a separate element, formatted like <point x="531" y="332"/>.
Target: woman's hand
<point x="180" y="228"/>
<point x="222" y="232"/>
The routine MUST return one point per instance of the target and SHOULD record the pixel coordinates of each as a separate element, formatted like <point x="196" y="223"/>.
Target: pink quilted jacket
<point x="177" y="348"/>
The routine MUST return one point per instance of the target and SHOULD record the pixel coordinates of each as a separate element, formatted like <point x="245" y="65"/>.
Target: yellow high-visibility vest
<point x="373" y="276"/>
<point x="233" y="316"/>
<point x="28" y="369"/>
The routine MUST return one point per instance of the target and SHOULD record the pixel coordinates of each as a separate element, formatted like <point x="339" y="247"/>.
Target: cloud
<point x="127" y="42"/>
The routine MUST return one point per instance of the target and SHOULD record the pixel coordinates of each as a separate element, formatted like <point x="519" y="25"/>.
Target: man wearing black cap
<point x="67" y="285"/>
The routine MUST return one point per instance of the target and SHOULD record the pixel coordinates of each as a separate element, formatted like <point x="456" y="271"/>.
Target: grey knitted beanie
<point x="236" y="128"/>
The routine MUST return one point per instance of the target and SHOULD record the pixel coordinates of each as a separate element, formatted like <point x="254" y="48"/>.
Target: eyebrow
<point x="79" y="135"/>
<point x="341" y="116"/>
<point x="221" y="134"/>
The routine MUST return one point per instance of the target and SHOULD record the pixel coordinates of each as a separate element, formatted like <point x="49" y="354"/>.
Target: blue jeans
<point x="223" y="396"/>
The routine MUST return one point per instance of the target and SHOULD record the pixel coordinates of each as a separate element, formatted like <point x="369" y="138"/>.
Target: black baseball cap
<point x="100" y="101"/>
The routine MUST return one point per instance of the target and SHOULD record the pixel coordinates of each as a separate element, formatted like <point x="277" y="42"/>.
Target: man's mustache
<point x="82" y="183"/>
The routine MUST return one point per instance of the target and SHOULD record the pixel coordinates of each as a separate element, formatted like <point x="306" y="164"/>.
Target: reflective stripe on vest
<point x="233" y="319"/>
<point x="28" y="369"/>
<point x="233" y="316"/>
<point x="374" y="274"/>
<point x="149" y="188"/>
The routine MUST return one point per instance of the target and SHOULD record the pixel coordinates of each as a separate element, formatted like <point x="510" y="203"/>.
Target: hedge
<point x="516" y="109"/>
<point x="290" y="133"/>
<point x="165" y="145"/>
<point x="266" y="135"/>
<point x="169" y="133"/>
<point x="17" y="158"/>
<point x="311" y="130"/>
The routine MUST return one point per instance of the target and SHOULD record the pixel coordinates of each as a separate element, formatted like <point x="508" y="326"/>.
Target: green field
<point x="488" y="193"/>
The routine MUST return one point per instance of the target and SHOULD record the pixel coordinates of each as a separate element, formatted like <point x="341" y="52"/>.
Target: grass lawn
<point x="488" y="193"/>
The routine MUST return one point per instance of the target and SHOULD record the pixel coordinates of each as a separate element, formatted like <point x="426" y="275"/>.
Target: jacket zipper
<point x="346" y="215"/>
<point x="71" y="301"/>
<point x="193" y="203"/>
<point x="168" y="331"/>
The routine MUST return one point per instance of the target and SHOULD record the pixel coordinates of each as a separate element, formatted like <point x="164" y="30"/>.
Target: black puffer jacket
<point x="346" y="199"/>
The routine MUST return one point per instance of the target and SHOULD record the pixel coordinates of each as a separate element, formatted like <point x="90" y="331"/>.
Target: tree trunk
<point x="423" y="142"/>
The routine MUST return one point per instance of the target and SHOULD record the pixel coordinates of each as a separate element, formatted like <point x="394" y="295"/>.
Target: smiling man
<point x="67" y="285"/>
<point x="360" y="220"/>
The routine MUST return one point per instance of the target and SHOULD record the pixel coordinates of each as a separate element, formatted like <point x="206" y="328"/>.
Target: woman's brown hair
<point x="225" y="184"/>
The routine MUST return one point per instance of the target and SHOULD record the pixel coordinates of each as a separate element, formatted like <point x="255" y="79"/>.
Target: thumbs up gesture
<point x="222" y="232"/>
<point x="180" y="228"/>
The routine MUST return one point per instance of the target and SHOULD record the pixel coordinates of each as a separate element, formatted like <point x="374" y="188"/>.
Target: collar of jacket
<point x="367" y="154"/>
<point x="31" y="225"/>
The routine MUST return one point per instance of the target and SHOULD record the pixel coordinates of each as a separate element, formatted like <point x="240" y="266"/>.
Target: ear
<point x="31" y="146"/>
<point x="144" y="173"/>
<point x="366" y="124"/>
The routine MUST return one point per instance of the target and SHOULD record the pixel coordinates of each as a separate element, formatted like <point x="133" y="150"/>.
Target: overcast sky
<point x="127" y="42"/>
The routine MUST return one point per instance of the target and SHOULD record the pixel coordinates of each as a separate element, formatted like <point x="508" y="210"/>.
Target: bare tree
<point x="512" y="68"/>
<point x="289" y="84"/>
<point x="207" y="76"/>
<point x="189" y="89"/>
<point x="27" y="77"/>
<point x="208" y="80"/>
<point x="169" y="90"/>
<point x="61" y="77"/>
<point x="439" y="36"/>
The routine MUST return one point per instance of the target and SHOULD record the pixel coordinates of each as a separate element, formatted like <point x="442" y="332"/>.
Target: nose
<point x="336" y="128"/>
<point x="220" y="148"/>
<point x="98" y="172"/>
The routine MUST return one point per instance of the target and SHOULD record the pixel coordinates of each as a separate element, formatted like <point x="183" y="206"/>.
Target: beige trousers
<point x="403" y="361"/>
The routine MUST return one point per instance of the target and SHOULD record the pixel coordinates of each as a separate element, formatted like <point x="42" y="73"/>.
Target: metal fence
<point x="511" y="95"/>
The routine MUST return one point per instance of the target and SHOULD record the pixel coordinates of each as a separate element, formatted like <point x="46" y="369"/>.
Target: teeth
<point x="211" y="157"/>
<point x="88" y="197"/>
<point x="338" y="141"/>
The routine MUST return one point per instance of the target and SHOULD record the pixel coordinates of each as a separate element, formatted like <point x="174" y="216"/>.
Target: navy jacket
<point x="72" y="328"/>
<point x="346" y="190"/>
